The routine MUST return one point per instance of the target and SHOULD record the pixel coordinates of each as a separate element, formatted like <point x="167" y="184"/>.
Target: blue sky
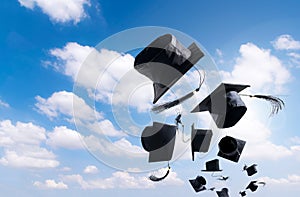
<point x="44" y="80"/>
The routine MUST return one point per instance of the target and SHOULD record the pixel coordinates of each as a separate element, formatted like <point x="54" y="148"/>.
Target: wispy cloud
<point x="4" y="104"/>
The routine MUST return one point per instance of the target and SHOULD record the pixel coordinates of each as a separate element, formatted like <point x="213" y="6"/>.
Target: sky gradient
<point x="46" y="48"/>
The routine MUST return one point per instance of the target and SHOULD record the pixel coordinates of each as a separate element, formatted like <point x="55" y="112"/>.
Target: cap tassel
<point x="277" y="103"/>
<point x="163" y="107"/>
<point x="156" y="179"/>
<point x="168" y="105"/>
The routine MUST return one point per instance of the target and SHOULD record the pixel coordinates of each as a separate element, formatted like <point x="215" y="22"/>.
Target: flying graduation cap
<point x="159" y="141"/>
<point x="231" y="148"/>
<point x="200" y="140"/>
<point x="251" y="170"/>
<point x="223" y="193"/>
<point x="164" y="61"/>
<point x="198" y="183"/>
<point x="253" y="185"/>
<point x="243" y="193"/>
<point x="226" y="106"/>
<point x="212" y="166"/>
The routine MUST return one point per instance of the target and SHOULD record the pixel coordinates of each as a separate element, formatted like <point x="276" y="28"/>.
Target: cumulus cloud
<point x="64" y="104"/>
<point x="60" y="11"/>
<point x="286" y="42"/>
<point x="22" y="146"/>
<point x="57" y="138"/>
<point x="266" y="74"/>
<point x="121" y="147"/>
<point x="50" y="184"/>
<point x="29" y="158"/>
<point x="120" y="179"/>
<point x="91" y="169"/>
<point x="260" y="69"/>
<point x="61" y="103"/>
<point x="107" y="75"/>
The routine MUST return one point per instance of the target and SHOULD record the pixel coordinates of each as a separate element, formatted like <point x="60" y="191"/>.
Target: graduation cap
<point x="212" y="166"/>
<point x="253" y="185"/>
<point x="164" y="61"/>
<point x="243" y="193"/>
<point x="224" y="104"/>
<point x="159" y="141"/>
<point x="198" y="184"/>
<point x="231" y="148"/>
<point x="251" y="170"/>
<point x="200" y="140"/>
<point x="223" y="193"/>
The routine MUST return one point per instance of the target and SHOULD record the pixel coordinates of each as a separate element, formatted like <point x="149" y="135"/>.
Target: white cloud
<point x="295" y="139"/>
<point x="266" y="74"/>
<point x="256" y="132"/>
<point x="70" y="58"/>
<point x="286" y="42"/>
<point x="21" y="133"/>
<point x="122" y="147"/>
<point x="50" y="184"/>
<point x="105" y="127"/>
<point x="58" y="137"/>
<point x="260" y="69"/>
<point x="37" y="158"/>
<point x="63" y="103"/>
<point x="292" y="179"/>
<point x="60" y="11"/>
<point x="22" y="146"/>
<point x="121" y="180"/>
<point x="3" y="104"/>
<point x="91" y="169"/>
<point x="108" y="76"/>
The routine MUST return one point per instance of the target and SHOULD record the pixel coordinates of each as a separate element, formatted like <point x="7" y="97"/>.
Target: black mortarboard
<point x="200" y="140"/>
<point x="198" y="184"/>
<point x="251" y="170"/>
<point x="243" y="193"/>
<point x="224" y="104"/>
<point x="159" y="141"/>
<point x="252" y="186"/>
<point x="165" y="61"/>
<point x="212" y="166"/>
<point x="231" y="148"/>
<point x="223" y="193"/>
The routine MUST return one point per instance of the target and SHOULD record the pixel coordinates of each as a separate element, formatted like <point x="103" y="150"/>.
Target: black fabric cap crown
<point x="159" y="141"/>
<point x="165" y="61"/>
<point x="200" y="140"/>
<point x="224" y="104"/>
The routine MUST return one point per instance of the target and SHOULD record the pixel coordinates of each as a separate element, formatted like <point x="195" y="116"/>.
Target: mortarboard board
<point x="231" y="148"/>
<point x="200" y="140"/>
<point x="224" y="104"/>
<point x="243" y="193"/>
<point x="212" y="166"/>
<point x="251" y="170"/>
<point x="159" y="141"/>
<point x="164" y="61"/>
<point x="198" y="184"/>
<point x="223" y="193"/>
